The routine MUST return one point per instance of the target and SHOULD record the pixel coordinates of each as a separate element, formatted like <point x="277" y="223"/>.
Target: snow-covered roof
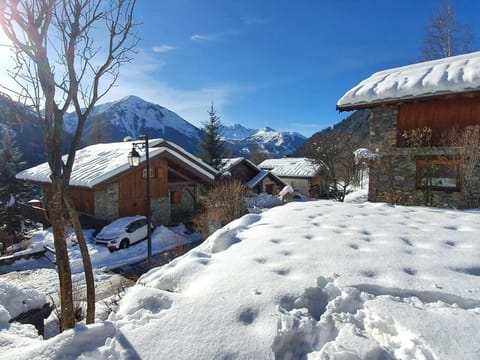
<point x="97" y="163"/>
<point x="262" y="174"/>
<point x="455" y="74"/>
<point x="291" y="167"/>
<point x="228" y="163"/>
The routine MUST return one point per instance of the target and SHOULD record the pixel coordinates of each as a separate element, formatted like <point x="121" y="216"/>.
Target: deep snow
<point x="316" y="280"/>
<point x="453" y="74"/>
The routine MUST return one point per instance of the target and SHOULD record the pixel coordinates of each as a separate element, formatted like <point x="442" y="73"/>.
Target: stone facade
<point x="160" y="207"/>
<point x="393" y="177"/>
<point x="183" y="210"/>
<point x="106" y="202"/>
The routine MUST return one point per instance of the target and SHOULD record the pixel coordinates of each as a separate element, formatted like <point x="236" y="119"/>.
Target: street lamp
<point x="134" y="161"/>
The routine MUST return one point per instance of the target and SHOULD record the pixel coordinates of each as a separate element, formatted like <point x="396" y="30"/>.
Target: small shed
<point x="303" y="174"/>
<point x="105" y="186"/>
<point x="435" y="97"/>
<point x="254" y="178"/>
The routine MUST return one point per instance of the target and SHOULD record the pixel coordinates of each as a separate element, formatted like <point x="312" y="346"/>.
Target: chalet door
<point x="269" y="189"/>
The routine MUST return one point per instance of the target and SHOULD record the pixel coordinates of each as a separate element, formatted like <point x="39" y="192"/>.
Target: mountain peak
<point x="132" y="99"/>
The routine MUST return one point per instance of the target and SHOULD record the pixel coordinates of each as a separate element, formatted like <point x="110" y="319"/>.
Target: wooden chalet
<point x="105" y="186"/>
<point x="304" y="175"/>
<point x="254" y="178"/>
<point x="437" y="96"/>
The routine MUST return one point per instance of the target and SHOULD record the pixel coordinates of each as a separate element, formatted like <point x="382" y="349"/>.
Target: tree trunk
<point x="87" y="263"/>
<point x="56" y="217"/>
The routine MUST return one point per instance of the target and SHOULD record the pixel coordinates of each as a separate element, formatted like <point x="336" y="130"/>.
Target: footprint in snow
<point x="282" y="272"/>
<point x="406" y="241"/>
<point x="260" y="260"/>
<point x="247" y="315"/>
<point x="451" y="227"/>
<point x="368" y="273"/>
<point x="410" y="271"/>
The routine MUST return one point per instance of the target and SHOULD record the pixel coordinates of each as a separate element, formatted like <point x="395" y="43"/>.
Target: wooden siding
<point x="243" y="172"/>
<point x="133" y="189"/>
<point x="83" y="199"/>
<point x="438" y="115"/>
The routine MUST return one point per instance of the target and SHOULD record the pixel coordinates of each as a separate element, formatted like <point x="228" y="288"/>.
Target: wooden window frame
<point x="175" y="197"/>
<point x="436" y="161"/>
<point x="153" y="173"/>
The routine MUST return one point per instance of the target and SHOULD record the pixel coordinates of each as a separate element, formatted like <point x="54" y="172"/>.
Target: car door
<point x="141" y="232"/>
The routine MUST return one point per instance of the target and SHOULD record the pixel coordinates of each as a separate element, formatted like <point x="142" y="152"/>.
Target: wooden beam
<point x="183" y="176"/>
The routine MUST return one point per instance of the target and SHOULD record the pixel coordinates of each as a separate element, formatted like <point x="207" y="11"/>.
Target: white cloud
<point x="138" y="78"/>
<point x="162" y="48"/>
<point x="223" y="35"/>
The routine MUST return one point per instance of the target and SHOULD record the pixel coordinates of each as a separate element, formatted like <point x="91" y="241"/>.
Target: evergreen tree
<point x="11" y="190"/>
<point x="212" y="146"/>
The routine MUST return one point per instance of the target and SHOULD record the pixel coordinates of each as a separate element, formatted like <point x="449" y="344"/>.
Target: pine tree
<point x="212" y="146"/>
<point x="11" y="190"/>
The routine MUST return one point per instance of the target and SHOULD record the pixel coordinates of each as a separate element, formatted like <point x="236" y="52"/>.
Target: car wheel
<point x="124" y="244"/>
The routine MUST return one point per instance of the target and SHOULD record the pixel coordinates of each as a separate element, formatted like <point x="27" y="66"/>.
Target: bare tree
<point x="68" y="55"/>
<point x="467" y="141"/>
<point x="334" y="151"/>
<point x="223" y="203"/>
<point x="444" y="36"/>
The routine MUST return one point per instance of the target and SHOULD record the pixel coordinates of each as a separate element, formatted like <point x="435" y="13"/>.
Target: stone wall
<point x="160" y="210"/>
<point x="184" y="210"/>
<point x="393" y="175"/>
<point x="106" y="202"/>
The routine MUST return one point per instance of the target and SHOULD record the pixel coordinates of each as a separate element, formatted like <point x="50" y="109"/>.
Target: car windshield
<point x="117" y="227"/>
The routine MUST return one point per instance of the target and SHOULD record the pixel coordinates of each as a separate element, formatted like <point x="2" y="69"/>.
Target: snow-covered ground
<point x="308" y="280"/>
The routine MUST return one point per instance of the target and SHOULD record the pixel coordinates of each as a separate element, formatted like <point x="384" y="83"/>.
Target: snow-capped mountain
<point x="237" y="132"/>
<point x="133" y="116"/>
<point x="267" y="140"/>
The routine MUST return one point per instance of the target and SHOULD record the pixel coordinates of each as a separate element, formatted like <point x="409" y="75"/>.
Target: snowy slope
<point x="132" y="116"/>
<point x="237" y="132"/>
<point x="323" y="280"/>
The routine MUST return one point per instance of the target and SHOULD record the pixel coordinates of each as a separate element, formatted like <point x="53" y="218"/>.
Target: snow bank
<point x="312" y="280"/>
<point x="15" y="301"/>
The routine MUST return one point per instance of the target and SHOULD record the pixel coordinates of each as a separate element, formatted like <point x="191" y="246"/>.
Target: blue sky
<point x="277" y="63"/>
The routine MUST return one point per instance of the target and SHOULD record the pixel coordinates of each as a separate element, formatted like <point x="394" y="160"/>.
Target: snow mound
<point x="225" y="237"/>
<point x="141" y="304"/>
<point x="16" y="301"/>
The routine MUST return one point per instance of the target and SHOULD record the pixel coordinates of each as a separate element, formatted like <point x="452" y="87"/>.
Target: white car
<point x="123" y="232"/>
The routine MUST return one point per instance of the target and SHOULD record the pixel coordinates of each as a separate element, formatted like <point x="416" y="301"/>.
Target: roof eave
<point x="408" y="99"/>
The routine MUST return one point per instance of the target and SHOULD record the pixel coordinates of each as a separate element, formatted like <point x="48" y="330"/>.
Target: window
<point x="439" y="174"/>
<point x="153" y="173"/>
<point x="175" y="197"/>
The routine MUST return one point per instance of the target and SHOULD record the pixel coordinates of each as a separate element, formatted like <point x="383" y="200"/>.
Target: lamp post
<point x="134" y="161"/>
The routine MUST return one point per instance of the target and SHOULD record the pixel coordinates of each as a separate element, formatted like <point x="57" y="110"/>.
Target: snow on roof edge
<point x="41" y="173"/>
<point x="456" y="74"/>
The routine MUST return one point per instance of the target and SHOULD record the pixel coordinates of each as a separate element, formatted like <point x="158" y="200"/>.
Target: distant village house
<point x="304" y="175"/>
<point x="253" y="177"/>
